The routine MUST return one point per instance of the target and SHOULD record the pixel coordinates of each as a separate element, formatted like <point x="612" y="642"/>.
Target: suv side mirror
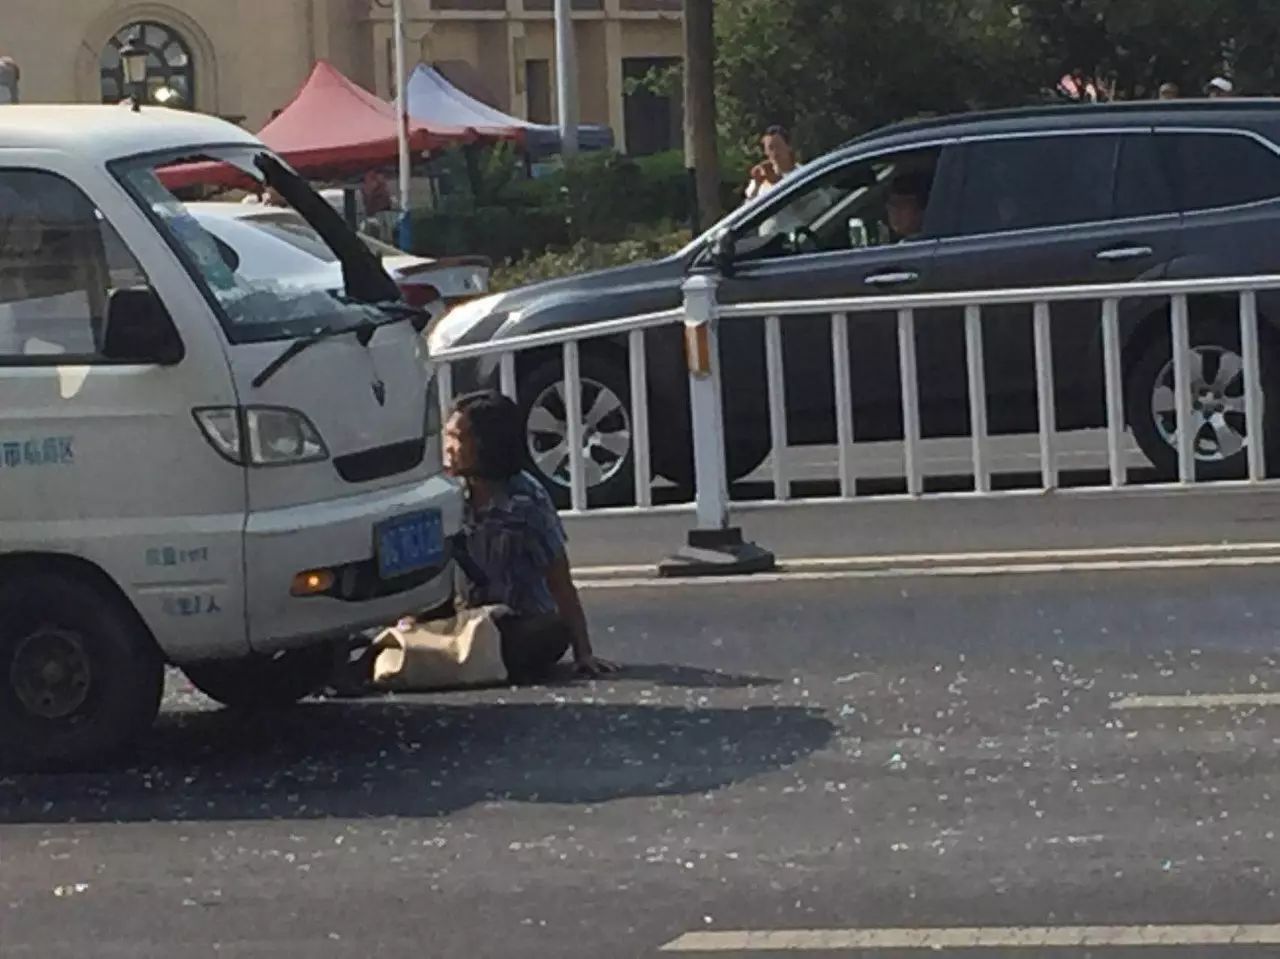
<point x="723" y="252"/>
<point x="140" y="330"/>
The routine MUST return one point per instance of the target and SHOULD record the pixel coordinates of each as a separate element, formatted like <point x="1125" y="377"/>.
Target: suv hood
<point x="637" y="288"/>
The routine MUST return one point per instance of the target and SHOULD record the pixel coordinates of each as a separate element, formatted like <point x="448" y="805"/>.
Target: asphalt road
<point x="845" y="754"/>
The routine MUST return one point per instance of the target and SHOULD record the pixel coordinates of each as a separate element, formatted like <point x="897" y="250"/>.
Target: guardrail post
<point x="714" y="548"/>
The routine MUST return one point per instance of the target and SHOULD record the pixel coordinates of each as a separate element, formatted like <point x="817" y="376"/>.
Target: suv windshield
<point x="256" y="310"/>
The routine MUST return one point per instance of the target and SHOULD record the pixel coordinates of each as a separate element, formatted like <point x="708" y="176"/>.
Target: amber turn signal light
<point x="312" y="582"/>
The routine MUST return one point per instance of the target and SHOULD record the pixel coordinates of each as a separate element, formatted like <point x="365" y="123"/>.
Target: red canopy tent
<point x="334" y="127"/>
<point x="335" y="123"/>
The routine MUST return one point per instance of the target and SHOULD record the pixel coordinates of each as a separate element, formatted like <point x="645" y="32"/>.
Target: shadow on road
<point x="384" y="758"/>
<point x="689" y="677"/>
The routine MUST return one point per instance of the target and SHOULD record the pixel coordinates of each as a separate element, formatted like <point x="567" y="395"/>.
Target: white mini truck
<point x="195" y="469"/>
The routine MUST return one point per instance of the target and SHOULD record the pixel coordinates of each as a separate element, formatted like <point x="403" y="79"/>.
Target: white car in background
<point x="275" y="243"/>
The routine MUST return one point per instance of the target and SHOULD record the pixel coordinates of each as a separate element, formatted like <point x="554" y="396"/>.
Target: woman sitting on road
<point x="512" y="543"/>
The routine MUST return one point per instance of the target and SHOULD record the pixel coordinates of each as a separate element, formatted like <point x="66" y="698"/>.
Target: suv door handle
<point x="1118" y="253"/>
<point x="898" y="278"/>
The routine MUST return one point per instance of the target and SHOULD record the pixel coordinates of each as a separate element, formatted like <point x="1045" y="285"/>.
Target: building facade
<point x="243" y="59"/>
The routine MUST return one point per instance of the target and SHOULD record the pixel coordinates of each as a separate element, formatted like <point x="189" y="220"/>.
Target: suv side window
<point x="1215" y="170"/>
<point x="856" y="205"/>
<point x="59" y="262"/>
<point x="1026" y="183"/>
<point x="1143" y="187"/>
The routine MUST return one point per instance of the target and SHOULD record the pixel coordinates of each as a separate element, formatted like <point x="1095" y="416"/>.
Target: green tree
<point x="830" y="69"/>
<point x="1143" y="43"/>
<point x="1249" y="40"/>
<point x="1137" y="44"/>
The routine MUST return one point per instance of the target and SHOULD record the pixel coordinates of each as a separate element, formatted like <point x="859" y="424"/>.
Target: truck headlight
<point x="261" y="435"/>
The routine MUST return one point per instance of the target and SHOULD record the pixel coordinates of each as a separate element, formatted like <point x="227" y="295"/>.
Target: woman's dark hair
<point x="498" y="434"/>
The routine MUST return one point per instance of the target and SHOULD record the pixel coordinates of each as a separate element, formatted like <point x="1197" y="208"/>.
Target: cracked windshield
<point x="254" y="302"/>
<point x="560" y="478"/>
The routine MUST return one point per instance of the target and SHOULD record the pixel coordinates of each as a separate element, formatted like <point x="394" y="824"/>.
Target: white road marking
<point x="891" y="572"/>
<point x="1198" y="701"/>
<point x="978" y="937"/>
<point x="991" y="556"/>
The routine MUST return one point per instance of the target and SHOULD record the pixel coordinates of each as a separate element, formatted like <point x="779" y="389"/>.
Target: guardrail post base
<point x="714" y="548"/>
<point x="717" y="552"/>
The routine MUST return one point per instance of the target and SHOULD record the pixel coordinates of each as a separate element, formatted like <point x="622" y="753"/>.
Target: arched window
<point x="171" y="77"/>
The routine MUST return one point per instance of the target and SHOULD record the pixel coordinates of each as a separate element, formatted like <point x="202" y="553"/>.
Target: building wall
<point x="250" y="56"/>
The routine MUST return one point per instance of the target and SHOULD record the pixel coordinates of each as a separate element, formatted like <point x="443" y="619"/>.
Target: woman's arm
<point x="569" y="605"/>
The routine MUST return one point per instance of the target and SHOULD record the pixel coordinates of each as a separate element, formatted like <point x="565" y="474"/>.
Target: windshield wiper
<point x="396" y="311"/>
<point x="363" y="330"/>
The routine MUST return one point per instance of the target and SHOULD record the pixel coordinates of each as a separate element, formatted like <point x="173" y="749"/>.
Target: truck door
<point x="100" y="455"/>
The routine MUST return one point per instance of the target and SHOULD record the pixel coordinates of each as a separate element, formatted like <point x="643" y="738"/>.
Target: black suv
<point x="1019" y="198"/>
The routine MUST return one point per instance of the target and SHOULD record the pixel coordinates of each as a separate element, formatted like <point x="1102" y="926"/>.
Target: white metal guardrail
<point x="701" y="316"/>
<point x="1041" y="301"/>
<point x="568" y="340"/>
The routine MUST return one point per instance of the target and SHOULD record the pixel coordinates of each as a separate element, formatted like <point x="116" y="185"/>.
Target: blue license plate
<point x="407" y="544"/>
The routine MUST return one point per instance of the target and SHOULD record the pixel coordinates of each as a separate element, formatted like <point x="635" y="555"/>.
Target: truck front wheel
<point x="263" y="682"/>
<point x="80" y="678"/>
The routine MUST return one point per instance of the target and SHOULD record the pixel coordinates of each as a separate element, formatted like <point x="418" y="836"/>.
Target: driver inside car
<point x="908" y="199"/>
<point x="808" y="223"/>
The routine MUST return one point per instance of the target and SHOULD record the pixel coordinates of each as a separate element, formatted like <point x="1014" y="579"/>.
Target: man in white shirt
<point x="780" y="160"/>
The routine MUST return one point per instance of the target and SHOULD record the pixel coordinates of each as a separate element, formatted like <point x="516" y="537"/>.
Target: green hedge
<point x="499" y="232"/>
<point x="600" y="198"/>
<point x="586" y="255"/>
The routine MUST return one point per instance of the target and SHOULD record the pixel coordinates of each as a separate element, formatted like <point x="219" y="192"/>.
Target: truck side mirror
<point x="140" y="330"/>
<point x="723" y="252"/>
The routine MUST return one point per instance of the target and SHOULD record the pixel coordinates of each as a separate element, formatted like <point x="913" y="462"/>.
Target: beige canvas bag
<point x="465" y="650"/>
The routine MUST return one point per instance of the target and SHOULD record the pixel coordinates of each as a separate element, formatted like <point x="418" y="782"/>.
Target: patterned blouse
<point x="514" y="539"/>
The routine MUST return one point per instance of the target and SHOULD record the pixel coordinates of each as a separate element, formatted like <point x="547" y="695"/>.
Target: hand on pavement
<point x="592" y="667"/>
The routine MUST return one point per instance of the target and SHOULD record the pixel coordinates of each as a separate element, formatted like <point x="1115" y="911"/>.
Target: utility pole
<point x="566" y="80"/>
<point x="405" y="238"/>
<point x="700" y="150"/>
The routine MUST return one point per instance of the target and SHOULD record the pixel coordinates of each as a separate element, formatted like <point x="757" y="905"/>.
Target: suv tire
<point x="608" y="434"/>
<point x="1217" y="384"/>
<point x="744" y="451"/>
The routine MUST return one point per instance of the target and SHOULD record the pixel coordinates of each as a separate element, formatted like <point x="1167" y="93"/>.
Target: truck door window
<point x="60" y="260"/>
